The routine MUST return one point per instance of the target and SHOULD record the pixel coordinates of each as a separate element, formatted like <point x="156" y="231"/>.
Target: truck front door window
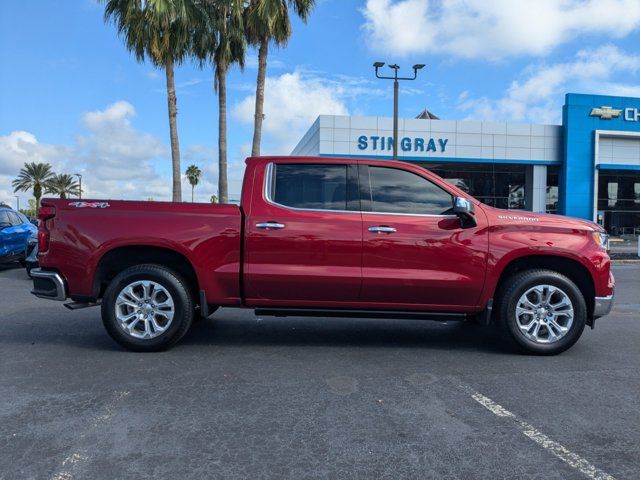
<point x="400" y="191"/>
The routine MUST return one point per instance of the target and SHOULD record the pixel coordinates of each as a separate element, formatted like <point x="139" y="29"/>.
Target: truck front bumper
<point x="603" y="305"/>
<point x="47" y="284"/>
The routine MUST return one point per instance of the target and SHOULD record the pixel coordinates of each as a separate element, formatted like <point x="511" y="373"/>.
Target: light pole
<point x="79" y="175"/>
<point x="395" y="78"/>
<point x="17" y="203"/>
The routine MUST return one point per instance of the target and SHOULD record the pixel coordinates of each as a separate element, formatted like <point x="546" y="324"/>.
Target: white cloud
<point x="536" y="97"/>
<point x="19" y="147"/>
<point x="118" y="158"/>
<point x="117" y="161"/>
<point x="294" y="100"/>
<point x="494" y="29"/>
<point x="292" y="103"/>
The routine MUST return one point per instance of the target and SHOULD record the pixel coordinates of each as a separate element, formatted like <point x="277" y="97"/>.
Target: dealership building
<point x="588" y="167"/>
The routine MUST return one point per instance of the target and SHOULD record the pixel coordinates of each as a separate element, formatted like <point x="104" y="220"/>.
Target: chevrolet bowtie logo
<point x="605" y="113"/>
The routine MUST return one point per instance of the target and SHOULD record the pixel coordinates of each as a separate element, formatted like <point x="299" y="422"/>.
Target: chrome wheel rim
<point x="544" y="314"/>
<point x="144" y="309"/>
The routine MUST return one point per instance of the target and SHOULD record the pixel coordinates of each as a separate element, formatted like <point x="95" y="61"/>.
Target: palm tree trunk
<point x="263" y="51"/>
<point x="37" y="193"/>
<point x="222" y="134"/>
<point x="173" y="132"/>
<point x="192" y="187"/>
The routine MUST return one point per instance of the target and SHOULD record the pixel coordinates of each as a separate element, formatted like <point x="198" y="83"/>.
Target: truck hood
<point x="511" y="218"/>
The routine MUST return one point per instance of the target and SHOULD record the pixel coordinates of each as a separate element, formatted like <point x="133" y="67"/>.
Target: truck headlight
<point x="601" y="239"/>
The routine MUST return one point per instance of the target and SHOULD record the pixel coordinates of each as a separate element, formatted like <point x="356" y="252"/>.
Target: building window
<point x="553" y="174"/>
<point x="619" y="200"/>
<point x="497" y="185"/>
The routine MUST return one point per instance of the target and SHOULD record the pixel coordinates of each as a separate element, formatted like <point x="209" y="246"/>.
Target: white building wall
<point x="536" y="188"/>
<point x="309" y="144"/>
<point x="341" y="135"/>
<point x="620" y="150"/>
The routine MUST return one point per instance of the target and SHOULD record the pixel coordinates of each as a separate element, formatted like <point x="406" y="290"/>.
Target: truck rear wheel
<point x="147" y="308"/>
<point x="541" y="311"/>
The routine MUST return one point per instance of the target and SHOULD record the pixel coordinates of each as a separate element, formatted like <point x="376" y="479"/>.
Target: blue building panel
<point x="582" y="116"/>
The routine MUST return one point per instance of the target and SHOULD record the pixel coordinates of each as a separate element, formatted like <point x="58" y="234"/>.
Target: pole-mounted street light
<point x="395" y="78"/>
<point x="79" y="175"/>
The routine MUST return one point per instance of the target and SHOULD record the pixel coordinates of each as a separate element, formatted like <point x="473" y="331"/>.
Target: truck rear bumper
<point x="603" y="305"/>
<point x="47" y="284"/>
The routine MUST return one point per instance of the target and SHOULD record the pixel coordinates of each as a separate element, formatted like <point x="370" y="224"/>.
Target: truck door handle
<point x="268" y="225"/>
<point x="382" y="229"/>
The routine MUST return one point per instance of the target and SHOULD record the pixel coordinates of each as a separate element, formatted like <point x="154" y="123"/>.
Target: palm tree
<point x="63" y="185"/>
<point x="193" y="174"/>
<point x="159" y="30"/>
<point x="266" y="21"/>
<point x="34" y="176"/>
<point x="221" y="41"/>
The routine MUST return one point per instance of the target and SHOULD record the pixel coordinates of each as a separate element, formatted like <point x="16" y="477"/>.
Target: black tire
<point x="182" y="301"/>
<point x="514" y="287"/>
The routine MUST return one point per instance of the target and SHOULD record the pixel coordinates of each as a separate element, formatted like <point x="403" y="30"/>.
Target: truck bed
<point x="83" y="232"/>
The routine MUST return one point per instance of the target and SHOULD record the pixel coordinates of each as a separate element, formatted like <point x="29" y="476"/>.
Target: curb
<point x="628" y="261"/>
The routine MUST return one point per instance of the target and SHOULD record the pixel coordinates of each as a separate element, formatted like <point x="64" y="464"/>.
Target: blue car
<point x="15" y="230"/>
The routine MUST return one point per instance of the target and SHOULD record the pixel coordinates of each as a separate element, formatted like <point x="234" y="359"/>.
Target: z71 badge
<point x="89" y="204"/>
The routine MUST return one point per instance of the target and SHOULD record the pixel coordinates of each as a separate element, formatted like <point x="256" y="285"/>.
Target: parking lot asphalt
<point x="292" y="398"/>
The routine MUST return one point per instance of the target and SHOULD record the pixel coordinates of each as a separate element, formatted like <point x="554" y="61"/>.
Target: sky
<point x="73" y="96"/>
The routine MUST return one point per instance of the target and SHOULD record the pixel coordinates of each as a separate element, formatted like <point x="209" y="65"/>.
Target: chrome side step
<point x="396" y="315"/>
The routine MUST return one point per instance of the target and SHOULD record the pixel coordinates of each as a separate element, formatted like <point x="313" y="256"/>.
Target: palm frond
<point x="157" y="30"/>
<point x="32" y="175"/>
<point x="269" y="20"/>
<point x="193" y="174"/>
<point x="62" y="185"/>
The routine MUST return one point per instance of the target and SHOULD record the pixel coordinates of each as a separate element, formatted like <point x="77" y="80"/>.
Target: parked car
<point x="31" y="253"/>
<point x="15" y="229"/>
<point x="327" y="237"/>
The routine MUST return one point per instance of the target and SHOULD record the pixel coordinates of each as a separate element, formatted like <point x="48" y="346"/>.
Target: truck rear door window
<point x="400" y="191"/>
<point x="310" y="186"/>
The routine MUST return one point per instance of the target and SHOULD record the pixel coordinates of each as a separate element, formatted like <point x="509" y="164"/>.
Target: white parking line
<point x="572" y="459"/>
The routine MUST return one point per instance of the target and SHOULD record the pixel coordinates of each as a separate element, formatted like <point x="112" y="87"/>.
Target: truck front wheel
<point x="542" y="311"/>
<point x="147" y="308"/>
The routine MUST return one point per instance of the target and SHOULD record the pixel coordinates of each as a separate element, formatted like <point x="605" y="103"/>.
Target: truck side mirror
<point x="465" y="210"/>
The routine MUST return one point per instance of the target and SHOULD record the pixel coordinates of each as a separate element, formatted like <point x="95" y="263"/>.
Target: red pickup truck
<point x="326" y="237"/>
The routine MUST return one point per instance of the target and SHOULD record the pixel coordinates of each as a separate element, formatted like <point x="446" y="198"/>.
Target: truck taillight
<point x="45" y="212"/>
<point x="43" y="238"/>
